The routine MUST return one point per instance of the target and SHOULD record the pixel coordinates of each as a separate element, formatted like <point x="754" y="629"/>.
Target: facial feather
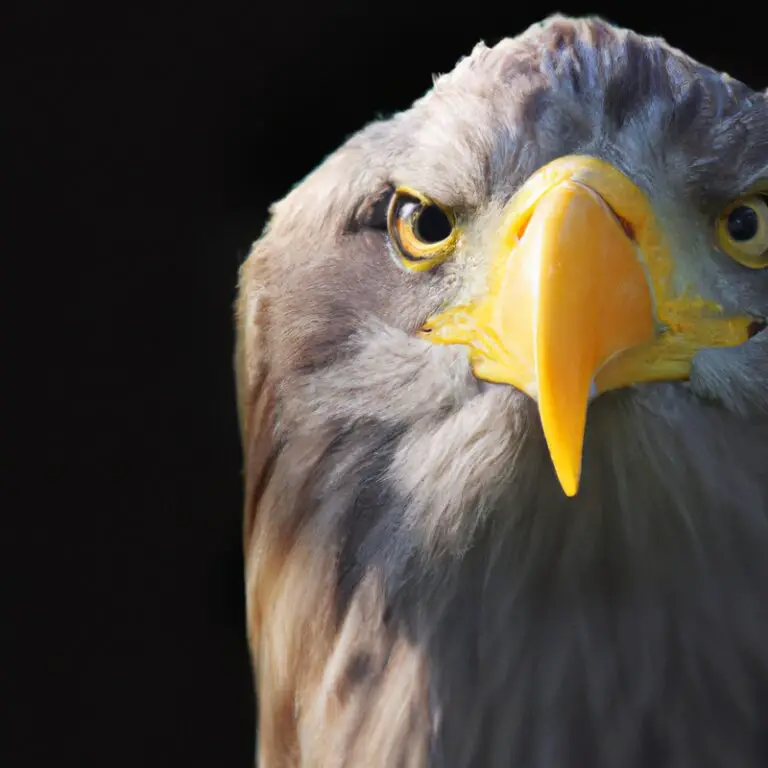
<point x="400" y="513"/>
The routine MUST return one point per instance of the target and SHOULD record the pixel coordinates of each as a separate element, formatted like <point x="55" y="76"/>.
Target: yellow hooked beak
<point x="579" y="300"/>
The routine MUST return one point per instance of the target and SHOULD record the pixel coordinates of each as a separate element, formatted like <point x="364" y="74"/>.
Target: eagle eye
<point x="423" y="232"/>
<point x="742" y="231"/>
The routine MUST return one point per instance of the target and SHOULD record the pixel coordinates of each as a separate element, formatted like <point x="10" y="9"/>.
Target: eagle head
<point x="503" y="387"/>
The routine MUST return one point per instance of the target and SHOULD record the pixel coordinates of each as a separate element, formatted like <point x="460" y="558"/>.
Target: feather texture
<point x="420" y="593"/>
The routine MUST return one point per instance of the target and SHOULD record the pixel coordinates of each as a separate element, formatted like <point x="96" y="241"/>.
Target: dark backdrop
<point x="147" y="143"/>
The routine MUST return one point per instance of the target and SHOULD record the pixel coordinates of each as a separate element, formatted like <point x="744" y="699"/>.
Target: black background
<point x="146" y="144"/>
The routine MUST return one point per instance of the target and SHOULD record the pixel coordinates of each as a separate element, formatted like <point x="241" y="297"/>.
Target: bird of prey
<point x="503" y="388"/>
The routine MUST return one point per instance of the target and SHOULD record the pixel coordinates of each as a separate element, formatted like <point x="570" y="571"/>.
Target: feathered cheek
<point x="451" y="470"/>
<point x="735" y="377"/>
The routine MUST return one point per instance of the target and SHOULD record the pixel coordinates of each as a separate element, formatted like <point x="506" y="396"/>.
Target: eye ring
<point x="422" y="232"/>
<point x="742" y="231"/>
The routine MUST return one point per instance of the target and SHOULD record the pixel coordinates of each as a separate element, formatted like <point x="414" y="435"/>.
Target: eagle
<point x="502" y="382"/>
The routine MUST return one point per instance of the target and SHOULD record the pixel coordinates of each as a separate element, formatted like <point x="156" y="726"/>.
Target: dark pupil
<point x="432" y="225"/>
<point x="742" y="223"/>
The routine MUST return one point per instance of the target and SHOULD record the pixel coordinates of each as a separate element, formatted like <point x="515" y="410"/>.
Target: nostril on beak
<point x="627" y="227"/>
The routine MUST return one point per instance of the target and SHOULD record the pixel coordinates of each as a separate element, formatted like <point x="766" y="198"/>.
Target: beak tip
<point x="570" y="485"/>
<point x="565" y="452"/>
<point x="567" y="470"/>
